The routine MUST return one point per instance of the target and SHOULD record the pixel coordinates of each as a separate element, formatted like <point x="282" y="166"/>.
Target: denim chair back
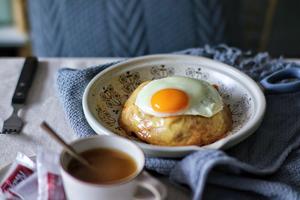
<point x="122" y="28"/>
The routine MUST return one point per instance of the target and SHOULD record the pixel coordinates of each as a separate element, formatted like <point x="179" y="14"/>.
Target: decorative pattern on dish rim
<point x="112" y="96"/>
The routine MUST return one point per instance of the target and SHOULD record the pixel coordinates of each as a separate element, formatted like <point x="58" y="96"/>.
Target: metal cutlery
<point x="14" y="123"/>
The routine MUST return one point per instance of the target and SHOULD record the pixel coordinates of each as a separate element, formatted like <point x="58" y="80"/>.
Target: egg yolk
<point x="169" y="100"/>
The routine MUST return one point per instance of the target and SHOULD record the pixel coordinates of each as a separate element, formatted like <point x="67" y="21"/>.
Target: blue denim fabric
<point x="264" y="166"/>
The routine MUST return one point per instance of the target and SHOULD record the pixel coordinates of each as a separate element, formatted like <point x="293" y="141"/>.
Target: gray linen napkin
<point x="265" y="166"/>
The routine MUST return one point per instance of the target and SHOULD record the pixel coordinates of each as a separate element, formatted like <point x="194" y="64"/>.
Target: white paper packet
<point x="20" y="169"/>
<point x="50" y="184"/>
<point x="27" y="189"/>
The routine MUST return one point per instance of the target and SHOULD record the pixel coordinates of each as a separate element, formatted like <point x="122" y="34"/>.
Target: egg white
<point x="204" y="99"/>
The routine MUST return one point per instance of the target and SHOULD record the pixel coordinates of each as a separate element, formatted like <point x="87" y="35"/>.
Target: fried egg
<point x="176" y="95"/>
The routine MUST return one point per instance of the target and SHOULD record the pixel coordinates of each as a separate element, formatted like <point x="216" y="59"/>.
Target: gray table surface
<point x="42" y="104"/>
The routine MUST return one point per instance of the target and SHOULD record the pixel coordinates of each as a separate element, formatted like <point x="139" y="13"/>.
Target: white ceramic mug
<point x="77" y="189"/>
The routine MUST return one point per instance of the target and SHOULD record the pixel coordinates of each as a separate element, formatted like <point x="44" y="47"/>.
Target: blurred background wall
<point x="14" y="36"/>
<point x="258" y="25"/>
<point x="249" y="22"/>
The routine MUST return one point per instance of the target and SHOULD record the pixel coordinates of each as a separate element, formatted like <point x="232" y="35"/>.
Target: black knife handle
<point x="25" y="80"/>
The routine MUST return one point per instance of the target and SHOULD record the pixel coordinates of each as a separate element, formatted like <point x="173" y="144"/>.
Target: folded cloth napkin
<point x="264" y="166"/>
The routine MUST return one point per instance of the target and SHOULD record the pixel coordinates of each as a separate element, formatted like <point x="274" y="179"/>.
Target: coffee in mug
<point x="120" y="164"/>
<point x="110" y="166"/>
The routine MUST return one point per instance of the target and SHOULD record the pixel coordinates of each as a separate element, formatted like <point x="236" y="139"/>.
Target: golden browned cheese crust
<point x="173" y="131"/>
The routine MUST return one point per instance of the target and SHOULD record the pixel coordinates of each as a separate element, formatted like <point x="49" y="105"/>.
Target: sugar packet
<point x="27" y="189"/>
<point x="20" y="169"/>
<point x="50" y="184"/>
